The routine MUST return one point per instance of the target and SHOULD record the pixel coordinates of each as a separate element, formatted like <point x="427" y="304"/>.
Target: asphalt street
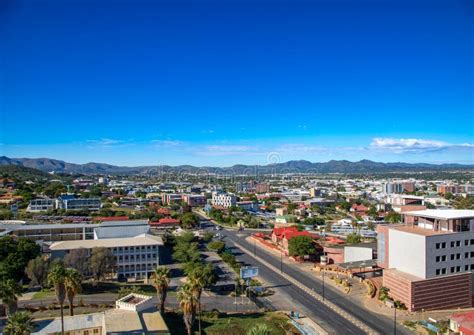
<point x="327" y="318"/>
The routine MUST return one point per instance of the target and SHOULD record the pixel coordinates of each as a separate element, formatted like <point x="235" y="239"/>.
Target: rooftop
<point x="443" y="214"/>
<point x="421" y="231"/>
<point x="140" y="240"/>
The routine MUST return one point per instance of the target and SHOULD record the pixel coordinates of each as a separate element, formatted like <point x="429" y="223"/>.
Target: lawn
<point x="236" y="324"/>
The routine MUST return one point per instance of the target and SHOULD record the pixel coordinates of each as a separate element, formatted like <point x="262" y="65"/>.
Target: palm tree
<point x="260" y="329"/>
<point x="19" y="324"/>
<point x="10" y="290"/>
<point x="187" y="302"/>
<point x="57" y="278"/>
<point x="72" y="282"/>
<point x="161" y="280"/>
<point x="197" y="281"/>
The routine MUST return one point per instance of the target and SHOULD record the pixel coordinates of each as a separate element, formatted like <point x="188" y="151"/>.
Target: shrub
<point x="217" y="246"/>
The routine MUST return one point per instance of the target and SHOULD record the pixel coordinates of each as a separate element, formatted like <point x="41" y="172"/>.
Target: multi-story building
<point x="445" y="188"/>
<point x="398" y="187"/>
<point x="41" y="205"/>
<point x="262" y="188"/>
<point x="168" y="198"/>
<point x="136" y="257"/>
<point x="429" y="260"/>
<point x="47" y="233"/>
<point x="224" y="200"/>
<point x="245" y="187"/>
<point x="194" y="199"/>
<point x="71" y="203"/>
<point x="404" y="203"/>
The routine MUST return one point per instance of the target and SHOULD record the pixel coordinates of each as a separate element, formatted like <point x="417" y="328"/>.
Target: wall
<point x="354" y="254"/>
<point x="407" y="252"/>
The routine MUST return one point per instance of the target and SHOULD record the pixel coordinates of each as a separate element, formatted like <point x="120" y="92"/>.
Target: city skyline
<point x="219" y="84"/>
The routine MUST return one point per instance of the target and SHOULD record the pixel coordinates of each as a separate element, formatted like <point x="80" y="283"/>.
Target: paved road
<point x="327" y="318"/>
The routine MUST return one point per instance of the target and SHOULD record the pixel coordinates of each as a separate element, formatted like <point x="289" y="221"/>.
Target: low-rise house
<point x="133" y="314"/>
<point x="462" y="323"/>
<point x="70" y="202"/>
<point x="41" y="205"/>
<point x="165" y="223"/>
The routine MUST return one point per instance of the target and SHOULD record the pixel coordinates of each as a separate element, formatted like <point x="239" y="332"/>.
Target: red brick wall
<point x="430" y="294"/>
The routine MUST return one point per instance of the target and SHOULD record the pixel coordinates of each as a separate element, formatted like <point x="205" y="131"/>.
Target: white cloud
<point x="167" y="143"/>
<point x="107" y="143"/>
<point x="224" y="150"/>
<point x="413" y="145"/>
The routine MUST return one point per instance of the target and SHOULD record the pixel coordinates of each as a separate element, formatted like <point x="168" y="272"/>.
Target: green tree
<point x="217" y="246"/>
<point x="161" y="280"/>
<point x="353" y="238"/>
<point x="393" y="217"/>
<point x="188" y="304"/>
<point x="189" y="220"/>
<point x="54" y="189"/>
<point x="19" y="323"/>
<point x="186" y="252"/>
<point x="372" y="211"/>
<point x="37" y="271"/>
<point x="79" y="260"/>
<point x="301" y="246"/>
<point x="73" y="286"/>
<point x="10" y="290"/>
<point x="15" y="255"/>
<point x="102" y="263"/>
<point x="56" y="278"/>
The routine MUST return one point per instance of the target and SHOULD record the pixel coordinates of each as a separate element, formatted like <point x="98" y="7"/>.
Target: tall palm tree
<point x="161" y="280"/>
<point x="19" y="324"/>
<point x="10" y="290"/>
<point x="57" y="278"/>
<point x="187" y="302"/>
<point x="197" y="281"/>
<point x="72" y="283"/>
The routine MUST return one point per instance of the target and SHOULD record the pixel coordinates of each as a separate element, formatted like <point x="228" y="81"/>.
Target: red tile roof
<point x="110" y="218"/>
<point x="465" y="321"/>
<point x="164" y="221"/>
<point x="280" y="231"/>
<point x="359" y="208"/>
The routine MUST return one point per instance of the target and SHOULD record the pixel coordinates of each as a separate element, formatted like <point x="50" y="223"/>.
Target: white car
<point x="218" y="228"/>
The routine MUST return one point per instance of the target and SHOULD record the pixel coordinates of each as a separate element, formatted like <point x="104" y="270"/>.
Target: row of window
<point x="453" y="257"/>
<point x="132" y="257"/>
<point x="443" y="245"/>
<point x="136" y="249"/>
<point x="454" y="269"/>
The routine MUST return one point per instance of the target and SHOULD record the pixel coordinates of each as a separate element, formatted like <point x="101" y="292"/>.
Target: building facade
<point x="429" y="259"/>
<point x="224" y="200"/>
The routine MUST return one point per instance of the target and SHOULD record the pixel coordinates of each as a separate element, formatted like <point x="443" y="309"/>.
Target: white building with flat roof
<point x="136" y="257"/>
<point x="225" y="200"/>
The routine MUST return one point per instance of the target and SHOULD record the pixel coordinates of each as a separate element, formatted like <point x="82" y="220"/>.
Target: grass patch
<point x="43" y="294"/>
<point x="236" y="324"/>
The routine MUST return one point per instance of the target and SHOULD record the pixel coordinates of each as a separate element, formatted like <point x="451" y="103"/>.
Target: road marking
<point x="312" y="293"/>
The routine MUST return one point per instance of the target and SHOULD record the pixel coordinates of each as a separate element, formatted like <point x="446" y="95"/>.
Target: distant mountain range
<point x="301" y="166"/>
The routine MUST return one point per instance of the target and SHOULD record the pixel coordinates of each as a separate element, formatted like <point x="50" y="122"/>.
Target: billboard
<point x="247" y="272"/>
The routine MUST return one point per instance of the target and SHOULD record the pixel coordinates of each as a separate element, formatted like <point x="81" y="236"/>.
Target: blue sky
<point x="224" y="82"/>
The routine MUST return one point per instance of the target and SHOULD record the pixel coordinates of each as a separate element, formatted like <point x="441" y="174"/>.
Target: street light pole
<point x="281" y="261"/>
<point x="323" y="286"/>
<point x="395" y="320"/>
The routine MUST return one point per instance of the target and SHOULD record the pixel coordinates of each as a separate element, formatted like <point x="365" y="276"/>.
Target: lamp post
<point x="323" y="286"/>
<point x="281" y="261"/>
<point x="395" y="320"/>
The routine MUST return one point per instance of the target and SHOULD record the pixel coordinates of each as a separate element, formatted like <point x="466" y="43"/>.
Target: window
<point x="443" y="271"/>
<point x="443" y="245"/>
<point x="452" y="244"/>
<point x="438" y="272"/>
<point x="466" y="242"/>
<point x="472" y="241"/>
<point x="452" y="257"/>
<point x="458" y="243"/>
<point x="452" y="269"/>
<point x="466" y="255"/>
<point x="458" y="268"/>
<point x="466" y="267"/>
<point x="472" y="266"/>
<point x="458" y="256"/>
<point x="438" y="245"/>
<point x="443" y="258"/>
<point x="438" y="258"/>
<point x="472" y="254"/>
